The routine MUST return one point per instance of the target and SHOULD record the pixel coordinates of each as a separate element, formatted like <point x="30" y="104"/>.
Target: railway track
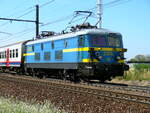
<point x="145" y="90"/>
<point x="101" y="90"/>
<point x="141" y="90"/>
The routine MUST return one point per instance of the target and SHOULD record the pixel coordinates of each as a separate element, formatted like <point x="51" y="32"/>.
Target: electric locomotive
<point x="85" y="53"/>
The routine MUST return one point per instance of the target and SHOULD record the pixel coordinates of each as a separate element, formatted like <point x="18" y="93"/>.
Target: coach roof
<point x="17" y="43"/>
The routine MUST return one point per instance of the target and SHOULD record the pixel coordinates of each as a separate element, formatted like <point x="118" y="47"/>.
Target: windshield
<point x="114" y="40"/>
<point x="105" y="40"/>
<point x="98" y="40"/>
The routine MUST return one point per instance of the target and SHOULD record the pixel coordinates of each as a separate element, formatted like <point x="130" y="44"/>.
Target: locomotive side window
<point x="32" y="47"/>
<point x="42" y="46"/>
<point x="52" y="44"/>
<point x="58" y="55"/>
<point x="81" y="41"/>
<point x="47" y="55"/>
<point x="65" y="43"/>
<point x="29" y="48"/>
<point x="37" y="56"/>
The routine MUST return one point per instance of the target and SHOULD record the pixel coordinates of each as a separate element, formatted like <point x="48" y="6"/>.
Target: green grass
<point x="138" y="72"/>
<point x="15" y="106"/>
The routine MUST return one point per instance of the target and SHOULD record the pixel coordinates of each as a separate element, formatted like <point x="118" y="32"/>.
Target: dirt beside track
<point x="131" y="82"/>
<point x="72" y="102"/>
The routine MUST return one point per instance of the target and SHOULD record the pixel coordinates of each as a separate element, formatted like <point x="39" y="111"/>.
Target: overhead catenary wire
<point x="64" y="19"/>
<point x="58" y="20"/>
<point x="46" y="3"/>
<point x="18" y="34"/>
<point x="31" y="10"/>
<point x="24" y="32"/>
<point x="5" y="33"/>
<point x="115" y="3"/>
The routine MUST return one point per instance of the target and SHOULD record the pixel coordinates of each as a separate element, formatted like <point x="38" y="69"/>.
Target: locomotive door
<point x="7" y="58"/>
<point x="81" y="44"/>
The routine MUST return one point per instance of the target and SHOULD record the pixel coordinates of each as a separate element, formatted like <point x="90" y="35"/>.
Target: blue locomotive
<point x="85" y="53"/>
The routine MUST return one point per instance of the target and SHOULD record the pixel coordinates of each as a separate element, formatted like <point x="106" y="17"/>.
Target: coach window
<point x="2" y="54"/>
<point x="37" y="56"/>
<point x="5" y="54"/>
<point x="81" y="41"/>
<point x="16" y="53"/>
<point x="52" y="44"/>
<point x="58" y="55"/>
<point x="13" y="53"/>
<point x="10" y="54"/>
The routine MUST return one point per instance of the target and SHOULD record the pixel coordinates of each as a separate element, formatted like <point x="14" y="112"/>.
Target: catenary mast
<point x="99" y="13"/>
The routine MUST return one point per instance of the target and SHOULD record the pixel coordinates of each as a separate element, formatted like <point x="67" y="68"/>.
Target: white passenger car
<point x="11" y="55"/>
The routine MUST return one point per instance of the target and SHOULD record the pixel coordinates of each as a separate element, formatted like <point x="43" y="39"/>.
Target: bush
<point x="138" y="72"/>
<point x="15" y="106"/>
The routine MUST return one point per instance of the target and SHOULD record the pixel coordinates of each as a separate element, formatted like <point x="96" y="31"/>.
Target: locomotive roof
<point x="71" y="34"/>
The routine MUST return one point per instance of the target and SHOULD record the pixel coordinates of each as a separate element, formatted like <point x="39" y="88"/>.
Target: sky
<point x="129" y="17"/>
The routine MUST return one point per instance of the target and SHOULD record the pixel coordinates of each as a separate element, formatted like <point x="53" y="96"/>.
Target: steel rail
<point x="81" y="89"/>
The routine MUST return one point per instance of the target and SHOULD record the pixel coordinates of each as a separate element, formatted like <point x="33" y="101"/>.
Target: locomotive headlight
<point x="118" y="58"/>
<point x="121" y="54"/>
<point x="97" y="54"/>
<point x="100" y="57"/>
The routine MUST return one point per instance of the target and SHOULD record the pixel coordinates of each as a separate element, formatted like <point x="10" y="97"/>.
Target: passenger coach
<point x="11" y="57"/>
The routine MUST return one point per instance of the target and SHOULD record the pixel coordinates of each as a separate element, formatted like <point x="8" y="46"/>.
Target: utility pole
<point x="33" y="21"/>
<point x="37" y="21"/>
<point x="99" y="13"/>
